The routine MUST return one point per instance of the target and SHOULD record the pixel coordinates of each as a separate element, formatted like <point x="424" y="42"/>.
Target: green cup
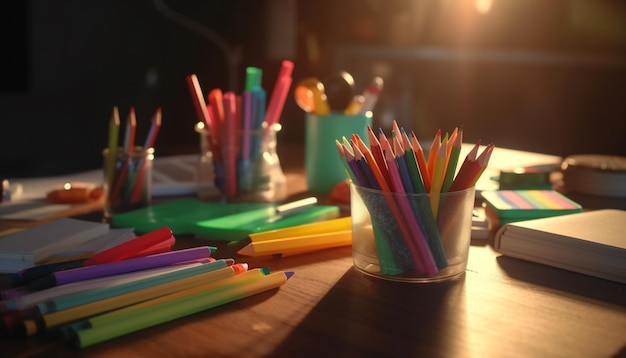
<point x="323" y="165"/>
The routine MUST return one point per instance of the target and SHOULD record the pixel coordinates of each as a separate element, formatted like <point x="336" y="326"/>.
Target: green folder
<point x="220" y="221"/>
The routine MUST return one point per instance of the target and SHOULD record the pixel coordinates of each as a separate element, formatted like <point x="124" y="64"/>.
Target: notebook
<point x="591" y="242"/>
<point x="32" y="246"/>
<point x="516" y="205"/>
<point x="219" y="221"/>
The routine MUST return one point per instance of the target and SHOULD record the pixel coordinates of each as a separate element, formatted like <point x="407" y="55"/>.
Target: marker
<point x="133" y="247"/>
<point x="95" y="302"/>
<point x="254" y="77"/>
<point x="178" y="307"/>
<point x="371" y="95"/>
<point x="138" y="292"/>
<point x="35" y="297"/>
<point x="279" y="94"/>
<point x="114" y="268"/>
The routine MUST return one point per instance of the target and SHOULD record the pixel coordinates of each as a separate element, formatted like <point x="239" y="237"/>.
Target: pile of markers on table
<point x="236" y="125"/>
<point x="132" y="286"/>
<point x="399" y="165"/>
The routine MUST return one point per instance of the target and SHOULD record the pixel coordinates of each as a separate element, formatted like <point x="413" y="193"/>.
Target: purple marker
<point x="114" y="268"/>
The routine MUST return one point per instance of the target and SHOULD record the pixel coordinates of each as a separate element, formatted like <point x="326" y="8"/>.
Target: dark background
<point x="545" y="76"/>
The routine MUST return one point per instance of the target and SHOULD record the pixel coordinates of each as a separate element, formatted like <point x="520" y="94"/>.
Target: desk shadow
<point x="362" y="316"/>
<point x="564" y="280"/>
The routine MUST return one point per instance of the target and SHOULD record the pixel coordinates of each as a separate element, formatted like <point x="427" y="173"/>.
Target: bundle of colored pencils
<point x="126" y="166"/>
<point x="235" y="124"/>
<point x="400" y="166"/>
<point x="128" y="288"/>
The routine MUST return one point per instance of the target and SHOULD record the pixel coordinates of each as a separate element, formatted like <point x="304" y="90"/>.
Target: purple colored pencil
<point x="114" y="268"/>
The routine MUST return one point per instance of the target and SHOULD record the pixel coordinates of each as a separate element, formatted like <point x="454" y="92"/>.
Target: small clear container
<point x="127" y="180"/>
<point x="256" y="175"/>
<point x="398" y="237"/>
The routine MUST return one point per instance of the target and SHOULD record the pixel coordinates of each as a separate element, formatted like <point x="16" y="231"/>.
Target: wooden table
<point x="501" y="307"/>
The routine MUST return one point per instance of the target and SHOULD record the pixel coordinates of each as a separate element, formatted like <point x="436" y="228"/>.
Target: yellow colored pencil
<point x="126" y="311"/>
<point x="114" y="130"/>
<point x="320" y="227"/>
<point x="208" y="279"/>
<point x="115" y="324"/>
<point x="299" y="244"/>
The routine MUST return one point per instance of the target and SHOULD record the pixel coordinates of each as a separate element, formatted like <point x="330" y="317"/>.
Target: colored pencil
<point x="36" y="297"/>
<point x="359" y="176"/>
<point x="416" y="241"/>
<point x="454" y="150"/>
<point x="421" y="161"/>
<point x="116" y="289"/>
<point x="138" y="185"/>
<point x="365" y="167"/>
<point x="132" y="247"/>
<point x="467" y="171"/>
<point x="114" y="268"/>
<point x="114" y="127"/>
<point x="433" y="152"/>
<point x="97" y="305"/>
<point x="438" y="176"/>
<point x="177" y="307"/>
<point x="299" y="244"/>
<point x="377" y="153"/>
<point x="344" y="161"/>
<point x="402" y="167"/>
<point x="413" y="166"/>
<point x="483" y="162"/>
<point x="374" y="168"/>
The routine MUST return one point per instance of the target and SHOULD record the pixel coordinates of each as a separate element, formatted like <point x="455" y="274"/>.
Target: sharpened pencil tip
<point x="289" y="274"/>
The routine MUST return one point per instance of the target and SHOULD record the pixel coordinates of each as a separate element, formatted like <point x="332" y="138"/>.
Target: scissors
<point x="70" y="193"/>
<point x="310" y="95"/>
<point x="321" y="97"/>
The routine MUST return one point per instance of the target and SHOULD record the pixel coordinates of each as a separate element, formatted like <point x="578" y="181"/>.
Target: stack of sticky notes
<point x="517" y="205"/>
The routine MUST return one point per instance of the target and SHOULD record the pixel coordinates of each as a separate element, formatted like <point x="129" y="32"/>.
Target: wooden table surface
<point x="501" y="307"/>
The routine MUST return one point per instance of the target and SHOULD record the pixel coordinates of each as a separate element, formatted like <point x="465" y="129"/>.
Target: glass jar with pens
<point x="131" y="184"/>
<point x="257" y="174"/>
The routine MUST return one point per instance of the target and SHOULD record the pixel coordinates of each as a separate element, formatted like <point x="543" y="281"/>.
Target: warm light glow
<point x="483" y="6"/>
<point x="67" y="186"/>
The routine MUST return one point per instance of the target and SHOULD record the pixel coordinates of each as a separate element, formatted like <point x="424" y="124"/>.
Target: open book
<point x="590" y="242"/>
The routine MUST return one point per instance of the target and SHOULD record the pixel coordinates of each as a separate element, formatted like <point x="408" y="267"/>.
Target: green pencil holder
<point x="323" y="165"/>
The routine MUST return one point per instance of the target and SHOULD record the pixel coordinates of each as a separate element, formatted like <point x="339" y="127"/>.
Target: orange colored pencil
<point x="432" y="154"/>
